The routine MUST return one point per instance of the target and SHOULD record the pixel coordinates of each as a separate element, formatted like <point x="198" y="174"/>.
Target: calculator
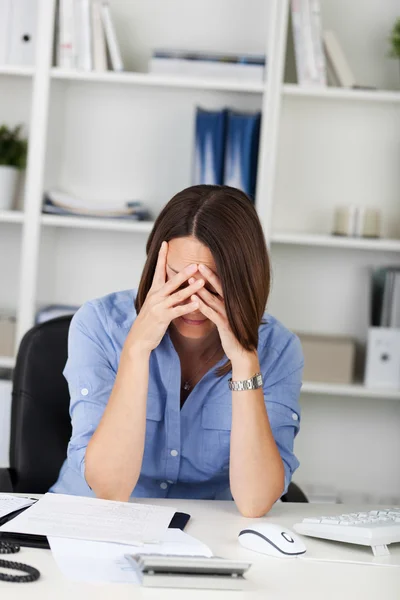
<point x="159" y="570"/>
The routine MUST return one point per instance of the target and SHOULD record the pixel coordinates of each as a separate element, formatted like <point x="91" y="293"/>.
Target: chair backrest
<point x="40" y="422"/>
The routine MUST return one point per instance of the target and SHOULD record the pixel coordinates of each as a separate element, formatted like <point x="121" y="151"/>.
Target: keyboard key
<point x="311" y="520"/>
<point x="330" y="521"/>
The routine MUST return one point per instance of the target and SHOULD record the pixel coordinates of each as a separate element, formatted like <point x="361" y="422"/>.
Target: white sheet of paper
<point x="102" y="562"/>
<point x="9" y="503"/>
<point x="85" y="518"/>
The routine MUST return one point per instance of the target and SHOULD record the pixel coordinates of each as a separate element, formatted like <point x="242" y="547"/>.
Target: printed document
<point x="77" y="517"/>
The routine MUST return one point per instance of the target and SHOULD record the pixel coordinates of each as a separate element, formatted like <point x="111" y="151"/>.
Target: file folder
<point x="23" y="28"/>
<point x="241" y="155"/>
<point x="209" y="147"/>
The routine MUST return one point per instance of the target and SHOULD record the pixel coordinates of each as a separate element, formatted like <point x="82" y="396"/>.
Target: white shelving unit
<point x="11" y="216"/>
<point x="357" y="95"/>
<point x="15" y="70"/>
<point x="153" y="80"/>
<point x="131" y="135"/>
<point x="331" y="241"/>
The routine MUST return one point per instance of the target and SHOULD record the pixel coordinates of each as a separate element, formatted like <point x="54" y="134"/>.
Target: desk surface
<point x="217" y="524"/>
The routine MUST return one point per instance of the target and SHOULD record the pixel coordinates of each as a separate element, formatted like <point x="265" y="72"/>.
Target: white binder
<point x="23" y="28"/>
<point x="5" y="18"/>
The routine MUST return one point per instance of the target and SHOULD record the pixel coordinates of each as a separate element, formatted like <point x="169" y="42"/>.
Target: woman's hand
<point x="213" y="307"/>
<point x="163" y="304"/>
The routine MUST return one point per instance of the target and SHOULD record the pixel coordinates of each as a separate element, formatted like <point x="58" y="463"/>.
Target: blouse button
<point x="84" y="391"/>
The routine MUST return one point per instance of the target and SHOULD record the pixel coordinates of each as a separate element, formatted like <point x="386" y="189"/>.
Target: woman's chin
<point x="192" y="327"/>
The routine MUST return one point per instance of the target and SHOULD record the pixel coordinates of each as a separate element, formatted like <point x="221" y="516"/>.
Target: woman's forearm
<point x="256" y="468"/>
<point x="114" y="454"/>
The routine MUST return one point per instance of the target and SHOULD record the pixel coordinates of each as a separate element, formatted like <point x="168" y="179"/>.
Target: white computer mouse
<point x="271" y="539"/>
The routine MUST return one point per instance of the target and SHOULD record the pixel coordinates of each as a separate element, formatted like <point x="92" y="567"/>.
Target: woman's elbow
<point x="254" y="508"/>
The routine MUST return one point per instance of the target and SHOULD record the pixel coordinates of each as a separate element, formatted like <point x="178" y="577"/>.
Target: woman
<point x="186" y="389"/>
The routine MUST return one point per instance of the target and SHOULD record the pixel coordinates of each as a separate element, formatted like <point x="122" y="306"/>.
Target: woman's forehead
<point x="187" y="250"/>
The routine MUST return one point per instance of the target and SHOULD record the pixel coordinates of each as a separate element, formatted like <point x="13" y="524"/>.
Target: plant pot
<point x="8" y="186"/>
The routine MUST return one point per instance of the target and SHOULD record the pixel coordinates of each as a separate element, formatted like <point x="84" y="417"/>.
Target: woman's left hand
<point x="213" y="307"/>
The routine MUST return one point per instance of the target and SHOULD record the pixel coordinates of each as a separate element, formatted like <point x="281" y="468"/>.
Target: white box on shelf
<point x="383" y="358"/>
<point x="5" y="419"/>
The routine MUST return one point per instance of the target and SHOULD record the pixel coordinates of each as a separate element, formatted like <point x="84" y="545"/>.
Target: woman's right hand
<point x="163" y="304"/>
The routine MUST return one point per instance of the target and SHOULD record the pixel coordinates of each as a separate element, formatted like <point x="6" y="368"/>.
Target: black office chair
<point x="40" y="422"/>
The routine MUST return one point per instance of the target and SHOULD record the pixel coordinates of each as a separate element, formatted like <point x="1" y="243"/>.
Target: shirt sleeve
<point x="282" y="385"/>
<point x="90" y="376"/>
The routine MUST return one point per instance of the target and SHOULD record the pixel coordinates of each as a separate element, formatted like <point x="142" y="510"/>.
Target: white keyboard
<point x="375" y="528"/>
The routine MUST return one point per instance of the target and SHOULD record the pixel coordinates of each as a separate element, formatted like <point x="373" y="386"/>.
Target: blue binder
<point x="209" y="147"/>
<point x="241" y="154"/>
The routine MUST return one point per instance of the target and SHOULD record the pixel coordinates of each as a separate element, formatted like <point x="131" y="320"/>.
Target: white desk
<point x="217" y="524"/>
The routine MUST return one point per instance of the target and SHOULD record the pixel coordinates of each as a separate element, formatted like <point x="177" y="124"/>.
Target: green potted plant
<point x="394" y="41"/>
<point x="13" y="151"/>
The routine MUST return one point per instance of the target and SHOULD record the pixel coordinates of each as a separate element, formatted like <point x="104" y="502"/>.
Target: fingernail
<point x="192" y="280"/>
<point x="163" y="245"/>
<point x="202" y="267"/>
<point x="192" y="268"/>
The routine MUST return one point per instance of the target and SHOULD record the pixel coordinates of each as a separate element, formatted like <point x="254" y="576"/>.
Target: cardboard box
<point x="328" y="358"/>
<point x="7" y="335"/>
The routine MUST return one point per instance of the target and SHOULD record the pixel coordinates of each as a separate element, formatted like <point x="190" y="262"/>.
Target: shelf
<point x="332" y="241"/>
<point x="11" y="216"/>
<point x="7" y="362"/>
<point x="354" y="390"/>
<point x="22" y="71"/>
<point x="342" y="93"/>
<point x="148" y="79"/>
<point x="97" y="224"/>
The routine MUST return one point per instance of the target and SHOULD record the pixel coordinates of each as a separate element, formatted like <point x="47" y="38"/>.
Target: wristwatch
<point x="253" y="383"/>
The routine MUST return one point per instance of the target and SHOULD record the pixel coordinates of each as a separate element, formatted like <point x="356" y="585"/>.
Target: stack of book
<point x="57" y="202"/>
<point x="86" y="38"/>
<point x="242" y="67"/>
<point x="226" y="149"/>
<point x="318" y="54"/>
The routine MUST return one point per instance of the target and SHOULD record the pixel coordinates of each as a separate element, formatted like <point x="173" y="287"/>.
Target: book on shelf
<point x="99" y="48"/>
<point x="307" y="42"/>
<point x="85" y="36"/>
<point x="18" y="26"/>
<point x="58" y="202"/>
<point x="339" y="67"/>
<point x="242" y="67"/>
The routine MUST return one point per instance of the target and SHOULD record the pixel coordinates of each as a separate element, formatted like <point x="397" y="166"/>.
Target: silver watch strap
<point x="253" y="383"/>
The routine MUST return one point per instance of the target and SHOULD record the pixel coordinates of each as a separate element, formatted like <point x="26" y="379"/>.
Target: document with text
<point x="77" y="517"/>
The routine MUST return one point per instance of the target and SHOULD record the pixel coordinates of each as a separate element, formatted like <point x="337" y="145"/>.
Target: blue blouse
<point x="186" y="451"/>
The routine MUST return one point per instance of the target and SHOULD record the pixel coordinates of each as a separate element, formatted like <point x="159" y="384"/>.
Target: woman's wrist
<point x="135" y="352"/>
<point x="245" y="366"/>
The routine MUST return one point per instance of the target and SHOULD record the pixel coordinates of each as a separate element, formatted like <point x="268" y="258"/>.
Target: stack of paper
<point x="59" y="202"/>
<point x="9" y="504"/>
<point x="84" y="518"/>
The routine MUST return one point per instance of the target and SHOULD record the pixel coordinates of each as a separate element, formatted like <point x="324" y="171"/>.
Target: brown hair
<point x="224" y="219"/>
